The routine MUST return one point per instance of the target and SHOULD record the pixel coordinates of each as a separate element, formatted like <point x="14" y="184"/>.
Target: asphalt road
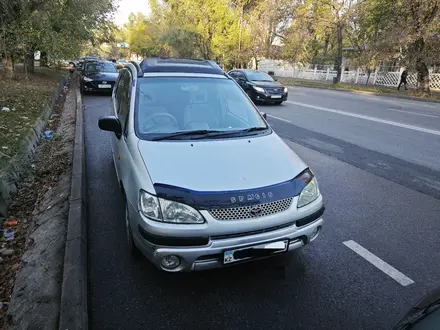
<point x="378" y="170"/>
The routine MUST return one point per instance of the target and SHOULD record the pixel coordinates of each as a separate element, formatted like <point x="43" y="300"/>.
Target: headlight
<point x="286" y="89"/>
<point x="259" y="89"/>
<point x="310" y="192"/>
<point x="160" y="209"/>
<point x="149" y="206"/>
<point x="87" y="79"/>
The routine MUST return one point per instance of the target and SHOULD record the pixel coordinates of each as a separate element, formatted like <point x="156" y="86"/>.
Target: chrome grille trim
<point x="278" y="90"/>
<point x="244" y="212"/>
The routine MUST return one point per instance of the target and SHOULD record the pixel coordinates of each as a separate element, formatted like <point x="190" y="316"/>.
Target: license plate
<point x="256" y="251"/>
<point x="276" y="96"/>
<point x="105" y="86"/>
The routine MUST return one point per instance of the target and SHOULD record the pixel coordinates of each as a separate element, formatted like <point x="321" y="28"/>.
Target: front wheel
<point x="134" y="251"/>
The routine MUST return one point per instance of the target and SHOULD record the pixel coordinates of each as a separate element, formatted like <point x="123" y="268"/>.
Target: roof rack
<point x="170" y="64"/>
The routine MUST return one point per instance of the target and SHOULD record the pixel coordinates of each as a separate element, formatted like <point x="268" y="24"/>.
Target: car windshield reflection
<point x="173" y="105"/>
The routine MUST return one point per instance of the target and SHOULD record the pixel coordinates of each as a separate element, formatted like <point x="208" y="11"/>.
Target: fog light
<point x="170" y="262"/>
<point x="315" y="233"/>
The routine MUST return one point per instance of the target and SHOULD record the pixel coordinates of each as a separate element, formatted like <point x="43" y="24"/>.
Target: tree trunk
<point x="43" y="59"/>
<point x="338" y="61"/>
<point x="423" y="77"/>
<point x="422" y="68"/>
<point x="29" y="62"/>
<point x="368" y="76"/>
<point x="8" y="68"/>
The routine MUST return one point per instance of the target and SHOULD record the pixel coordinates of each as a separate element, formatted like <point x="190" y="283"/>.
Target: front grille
<point x="254" y="232"/>
<point x="274" y="90"/>
<point x="248" y="212"/>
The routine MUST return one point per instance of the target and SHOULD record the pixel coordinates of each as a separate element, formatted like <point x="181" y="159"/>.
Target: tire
<point x="132" y="248"/>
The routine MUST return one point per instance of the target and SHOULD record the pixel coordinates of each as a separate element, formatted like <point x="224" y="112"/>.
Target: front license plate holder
<point x="104" y="86"/>
<point x="255" y="251"/>
<point x="276" y="96"/>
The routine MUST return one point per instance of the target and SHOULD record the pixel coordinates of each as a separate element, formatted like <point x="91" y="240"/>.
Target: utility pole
<point x="239" y="36"/>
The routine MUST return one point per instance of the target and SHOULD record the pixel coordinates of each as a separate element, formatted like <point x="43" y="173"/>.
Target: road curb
<point x="73" y="306"/>
<point x="395" y="96"/>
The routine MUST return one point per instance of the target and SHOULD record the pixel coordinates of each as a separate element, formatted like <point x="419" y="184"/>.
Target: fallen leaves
<point x="24" y="100"/>
<point x="45" y="172"/>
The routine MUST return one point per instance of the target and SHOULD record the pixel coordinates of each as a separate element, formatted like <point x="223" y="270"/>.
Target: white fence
<point x="389" y="79"/>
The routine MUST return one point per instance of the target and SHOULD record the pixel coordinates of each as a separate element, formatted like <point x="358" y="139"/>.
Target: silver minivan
<point x="206" y="181"/>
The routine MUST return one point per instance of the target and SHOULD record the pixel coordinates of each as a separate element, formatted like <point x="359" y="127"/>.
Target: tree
<point x="422" y="21"/>
<point x="408" y="27"/>
<point x="56" y="27"/>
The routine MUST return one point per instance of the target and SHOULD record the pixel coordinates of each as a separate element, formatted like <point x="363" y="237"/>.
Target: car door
<point x="123" y="108"/>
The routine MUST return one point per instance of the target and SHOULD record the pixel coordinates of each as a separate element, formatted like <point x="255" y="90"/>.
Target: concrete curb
<point x="15" y="171"/>
<point x="73" y="306"/>
<point x="395" y="96"/>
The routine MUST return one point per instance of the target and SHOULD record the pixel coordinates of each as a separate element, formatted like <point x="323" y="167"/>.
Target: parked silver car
<point x="206" y="181"/>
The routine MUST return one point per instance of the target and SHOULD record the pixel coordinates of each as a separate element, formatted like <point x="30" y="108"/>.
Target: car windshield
<point x="258" y="76"/>
<point x="170" y="105"/>
<point x="99" y="67"/>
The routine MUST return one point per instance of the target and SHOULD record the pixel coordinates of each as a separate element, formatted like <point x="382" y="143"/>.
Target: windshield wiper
<point x="203" y="134"/>
<point x="185" y="133"/>
<point x="419" y="314"/>
<point x="254" y="129"/>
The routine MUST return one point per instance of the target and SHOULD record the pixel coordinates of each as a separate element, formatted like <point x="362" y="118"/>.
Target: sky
<point x="130" y="6"/>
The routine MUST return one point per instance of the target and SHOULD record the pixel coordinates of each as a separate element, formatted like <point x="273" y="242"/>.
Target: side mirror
<point x="264" y="115"/>
<point x="275" y="79"/>
<point x="111" y="124"/>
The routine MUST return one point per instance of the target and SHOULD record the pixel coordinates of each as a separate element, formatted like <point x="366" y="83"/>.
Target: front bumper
<point x="204" y="252"/>
<point x="97" y="86"/>
<point x="269" y="98"/>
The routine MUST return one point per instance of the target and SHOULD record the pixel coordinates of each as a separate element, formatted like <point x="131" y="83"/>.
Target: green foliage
<point x="57" y="27"/>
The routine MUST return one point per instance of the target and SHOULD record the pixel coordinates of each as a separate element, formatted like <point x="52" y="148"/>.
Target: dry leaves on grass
<point x="48" y="165"/>
<point x="23" y="100"/>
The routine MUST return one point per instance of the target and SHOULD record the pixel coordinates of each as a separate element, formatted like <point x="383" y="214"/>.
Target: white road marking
<point x="374" y="119"/>
<point x="282" y="119"/>
<point x="379" y="263"/>
<point x="413" y="113"/>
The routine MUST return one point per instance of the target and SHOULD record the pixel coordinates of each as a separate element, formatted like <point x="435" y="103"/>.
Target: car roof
<point x="249" y="70"/>
<point x="98" y="61"/>
<point x="179" y="65"/>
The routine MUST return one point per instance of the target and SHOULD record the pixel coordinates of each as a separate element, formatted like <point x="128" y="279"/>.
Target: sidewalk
<point x="361" y="89"/>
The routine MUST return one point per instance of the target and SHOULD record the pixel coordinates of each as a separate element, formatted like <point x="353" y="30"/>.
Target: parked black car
<point x="260" y="86"/>
<point x="98" y="76"/>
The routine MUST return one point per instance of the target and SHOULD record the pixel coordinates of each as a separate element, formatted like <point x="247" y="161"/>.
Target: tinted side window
<point x="120" y="91"/>
<point x="240" y="75"/>
<point x="124" y="105"/>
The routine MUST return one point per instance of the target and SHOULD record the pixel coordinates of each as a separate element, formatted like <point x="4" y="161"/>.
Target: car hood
<point x="266" y="84"/>
<point x="109" y="76"/>
<point x="221" y="165"/>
